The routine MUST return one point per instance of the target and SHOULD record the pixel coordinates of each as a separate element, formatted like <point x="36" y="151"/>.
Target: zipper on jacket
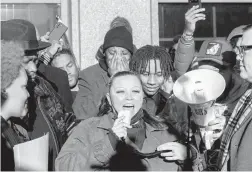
<point x="50" y="127"/>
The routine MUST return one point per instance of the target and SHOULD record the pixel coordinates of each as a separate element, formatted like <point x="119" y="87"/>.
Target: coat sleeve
<point x="184" y="55"/>
<point x="86" y="149"/>
<point x="59" y="81"/>
<point x="85" y="104"/>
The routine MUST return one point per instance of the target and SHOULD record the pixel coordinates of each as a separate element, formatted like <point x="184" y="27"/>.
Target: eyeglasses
<point x="243" y="49"/>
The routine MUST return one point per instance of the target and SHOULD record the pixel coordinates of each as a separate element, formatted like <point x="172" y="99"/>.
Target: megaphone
<point x="199" y="86"/>
<point x="199" y="89"/>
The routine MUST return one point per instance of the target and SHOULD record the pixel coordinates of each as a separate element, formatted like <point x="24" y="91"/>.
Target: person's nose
<point x="67" y="71"/>
<point x="128" y="96"/>
<point x="151" y="80"/>
<point x="32" y="67"/>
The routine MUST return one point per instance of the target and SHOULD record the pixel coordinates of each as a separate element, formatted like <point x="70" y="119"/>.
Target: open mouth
<point x="128" y="107"/>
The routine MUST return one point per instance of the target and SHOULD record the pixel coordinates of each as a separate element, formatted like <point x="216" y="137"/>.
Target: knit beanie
<point x="118" y="37"/>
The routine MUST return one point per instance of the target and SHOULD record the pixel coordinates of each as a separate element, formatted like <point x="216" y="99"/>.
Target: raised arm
<point x="186" y="45"/>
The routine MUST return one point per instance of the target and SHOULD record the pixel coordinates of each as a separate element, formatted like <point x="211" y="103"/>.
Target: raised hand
<point x="192" y="16"/>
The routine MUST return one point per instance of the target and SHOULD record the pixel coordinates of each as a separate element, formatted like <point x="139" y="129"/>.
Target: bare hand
<point x="118" y="64"/>
<point x="177" y="151"/>
<point x="192" y="16"/>
<point x="45" y="38"/>
<point x="120" y="127"/>
<point x="217" y="126"/>
<point x="56" y="46"/>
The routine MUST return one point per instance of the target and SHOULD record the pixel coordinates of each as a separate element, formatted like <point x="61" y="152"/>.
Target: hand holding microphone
<point x="122" y="123"/>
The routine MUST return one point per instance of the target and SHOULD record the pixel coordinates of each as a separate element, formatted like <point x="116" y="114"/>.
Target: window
<point x="42" y="15"/>
<point x="221" y="18"/>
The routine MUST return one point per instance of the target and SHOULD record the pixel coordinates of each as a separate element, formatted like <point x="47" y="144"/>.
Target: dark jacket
<point x="59" y="81"/>
<point x="93" y="85"/>
<point x="88" y="148"/>
<point x="240" y="157"/>
<point x="169" y="108"/>
<point x="47" y="114"/>
<point x="10" y="136"/>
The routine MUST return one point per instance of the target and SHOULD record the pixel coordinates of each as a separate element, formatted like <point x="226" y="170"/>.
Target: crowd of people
<point x="121" y="113"/>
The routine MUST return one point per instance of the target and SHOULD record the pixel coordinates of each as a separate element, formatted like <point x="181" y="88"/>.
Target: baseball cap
<point x="217" y="50"/>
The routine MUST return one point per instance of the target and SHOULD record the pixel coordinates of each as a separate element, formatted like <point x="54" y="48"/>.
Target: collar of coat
<point x="107" y="122"/>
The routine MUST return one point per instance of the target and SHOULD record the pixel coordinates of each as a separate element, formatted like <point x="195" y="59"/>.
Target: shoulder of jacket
<point x="92" y="71"/>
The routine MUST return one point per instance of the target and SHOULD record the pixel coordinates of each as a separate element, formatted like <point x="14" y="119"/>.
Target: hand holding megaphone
<point x="217" y="125"/>
<point x="122" y="123"/>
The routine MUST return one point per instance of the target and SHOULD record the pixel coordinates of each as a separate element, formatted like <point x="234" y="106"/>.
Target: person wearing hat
<point x="116" y="22"/>
<point x="235" y="150"/>
<point x="215" y="54"/>
<point x="93" y="82"/>
<point x="235" y="40"/>
<point x="47" y="112"/>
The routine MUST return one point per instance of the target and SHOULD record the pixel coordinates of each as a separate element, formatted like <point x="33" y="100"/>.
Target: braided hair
<point x="142" y="57"/>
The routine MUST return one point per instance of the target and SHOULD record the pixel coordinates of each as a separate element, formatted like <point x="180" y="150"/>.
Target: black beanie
<point x="118" y="37"/>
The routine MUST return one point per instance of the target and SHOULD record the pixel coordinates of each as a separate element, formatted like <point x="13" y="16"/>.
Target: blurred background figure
<point x="172" y="50"/>
<point x="234" y="38"/>
<point x="14" y="101"/>
<point x="65" y="60"/>
<point x="93" y="84"/>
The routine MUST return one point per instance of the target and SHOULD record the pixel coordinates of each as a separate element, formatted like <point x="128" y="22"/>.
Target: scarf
<point x="242" y="109"/>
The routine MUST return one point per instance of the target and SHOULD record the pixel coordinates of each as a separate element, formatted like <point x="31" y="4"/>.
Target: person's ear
<point x="109" y="99"/>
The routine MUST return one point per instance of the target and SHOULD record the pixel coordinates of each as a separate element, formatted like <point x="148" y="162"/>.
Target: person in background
<point x="93" y="82"/>
<point x="215" y="54"/>
<point x="235" y="150"/>
<point x="65" y="60"/>
<point x="154" y="66"/>
<point x="47" y="112"/>
<point x="172" y="50"/>
<point x="94" y="142"/>
<point x="116" y="22"/>
<point x="235" y="40"/>
<point x="14" y="101"/>
<point x="221" y="60"/>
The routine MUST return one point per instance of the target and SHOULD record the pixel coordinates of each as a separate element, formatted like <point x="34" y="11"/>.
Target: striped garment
<point x="242" y="109"/>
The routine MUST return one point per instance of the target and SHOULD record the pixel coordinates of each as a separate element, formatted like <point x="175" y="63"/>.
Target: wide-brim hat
<point x="199" y="86"/>
<point x="24" y="32"/>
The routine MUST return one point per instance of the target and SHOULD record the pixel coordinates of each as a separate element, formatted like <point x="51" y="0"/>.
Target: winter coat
<point x="47" y="114"/>
<point x="88" y="148"/>
<point x="93" y="85"/>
